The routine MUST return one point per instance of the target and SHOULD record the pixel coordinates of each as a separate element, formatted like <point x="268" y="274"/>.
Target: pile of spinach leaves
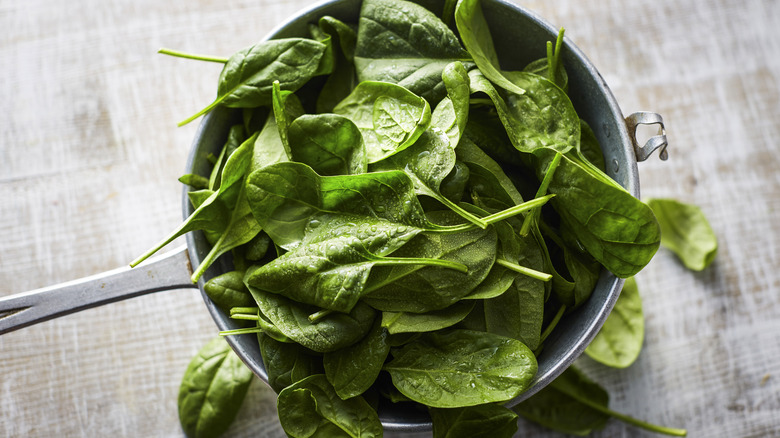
<point x="407" y="221"/>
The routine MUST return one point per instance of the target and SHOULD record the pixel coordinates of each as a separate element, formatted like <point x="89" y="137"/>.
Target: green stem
<point x="245" y="316"/>
<point x="201" y="112"/>
<point x="461" y="212"/>
<point x="533" y="273"/>
<point x="480" y="102"/>
<point x="241" y="331"/>
<point x="318" y="315"/>
<point x="553" y="323"/>
<point x="178" y="54"/>
<point x="548" y="176"/>
<point x="517" y="209"/>
<point x="631" y="420"/>
<point x="395" y="261"/>
<point x="209" y="259"/>
<point x="250" y="310"/>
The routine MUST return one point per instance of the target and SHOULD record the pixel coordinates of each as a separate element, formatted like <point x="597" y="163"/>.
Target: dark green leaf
<point x="228" y="291"/>
<point x="481" y="421"/>
<point x="287" y="363"/>
<point x="352" y="370"/>
<point x="405" y="322"/>
<point x="329" y="143"/>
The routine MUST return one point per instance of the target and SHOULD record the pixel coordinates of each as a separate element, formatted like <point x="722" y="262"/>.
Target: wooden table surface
<point x="90" y="154"/>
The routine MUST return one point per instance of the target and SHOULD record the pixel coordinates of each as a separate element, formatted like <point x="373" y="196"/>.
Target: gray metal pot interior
<point x="520" y="37"/>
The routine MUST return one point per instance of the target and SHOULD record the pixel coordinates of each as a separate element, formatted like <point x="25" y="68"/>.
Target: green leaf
<point x="456" y="368"/>
<point x="481" y="421"/>
<point x="228" y="291"/>
<point x="212" y="390"/>
<point x="311" y="408"/>
<point x="352" y="370"/>
<point x="403" y="43"/>
<point x="329" y="143"/>
<point x="451" y="114"/>
<point x="406" y="322"/>
<point x="332" y="332"/>
<point x="246" y="80"/>
<point x="287" y="363"/>
<point x="686" y="232"/>
<point x="390" y="117"/>
<point x="475" y="33"/>
<point x="619" y="341"/>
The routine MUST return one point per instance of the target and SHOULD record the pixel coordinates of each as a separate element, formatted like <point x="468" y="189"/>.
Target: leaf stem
<point x="241" y="331"/>
<point x="461" y="212"/>
<point x="517" y="209"/>
<point x="179" y="54"/>
<point x="394" y="261"/>
<point x="550" y="327"/>
<point x="318" y="315"/>
<point x="631" y="420"/>
<point x="201" y="112"/>
<point x="244" y="316"/>
<point x="533" y="273"/>
<point x="246" y="310"/>
<point x="548" y="176"/>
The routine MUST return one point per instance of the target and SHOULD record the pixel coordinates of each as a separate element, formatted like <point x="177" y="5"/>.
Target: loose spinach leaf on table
<point x="212" y="390"/>
<point x="686" y="232"/>
<point x="490" y="420"/>
<point x="455" y="368"/>
<point x="311" y="408"/>
<point x="620" y="339"/>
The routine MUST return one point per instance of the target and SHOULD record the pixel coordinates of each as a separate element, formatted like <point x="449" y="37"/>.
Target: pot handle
<point x="166" y="272"/>
<point x="653" y="143"/>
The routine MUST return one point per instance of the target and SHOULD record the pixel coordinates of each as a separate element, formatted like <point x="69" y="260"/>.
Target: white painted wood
<point x="90" y="154"/>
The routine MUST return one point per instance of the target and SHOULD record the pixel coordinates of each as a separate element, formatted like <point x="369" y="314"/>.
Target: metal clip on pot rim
<point x="642" y="152"/>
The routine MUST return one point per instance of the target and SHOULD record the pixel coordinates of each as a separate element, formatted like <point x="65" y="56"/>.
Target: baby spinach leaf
<point x="287" y="363"/>
<point x="406" y="322"/>
<point x="451" y="114"/>
<point x="228" y="291"/>
<point x="421" y="289"/>
<point x="269" y="148"/>
<point x="686" y="232"/>
<point x="329" y="143"/>
<point x="403" y="43"/>
<point x="352" y="370"/>
<point x="285" y="196"/>
<point x="332" y="332"/>
<point x="390" y="117"/>
<point x="247" y="78"/>
<point x="212" y="390"/>
<point x="286" y="108"/>
<point x="343" y="79"/>
<point x="236" y="137"/>
<point x="332" y="272"/>
<point x="619" y="341"/>
<point x="196" y="182"/>
<point x="311" y="408"/>
<point x="618" y="230"/>
<point x="475" y="33"/>
<point x="456" y="368"/>
<point x="589" y="147"/>
<point x="541" y="118"/>
<point x="490" y="420"/>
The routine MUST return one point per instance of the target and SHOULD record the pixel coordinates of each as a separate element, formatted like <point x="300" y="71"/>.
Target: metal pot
<point x="519" y="37"/>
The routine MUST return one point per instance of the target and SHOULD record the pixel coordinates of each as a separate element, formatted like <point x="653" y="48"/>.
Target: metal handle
<point x="655" y="142"/>
<point x="166" y="272"/>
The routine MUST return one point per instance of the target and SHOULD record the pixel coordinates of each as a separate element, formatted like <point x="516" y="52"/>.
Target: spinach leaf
<point x="285" y="196"/>
<point x="228" y="291"/>
<point x="403" y="43"/>
<point x="686" y="232"/>
<point x="451" y="114"/>
<point x="456" y="368"/>
<point x="589" y="147"/>
<point x="390" y="117"/>
<point x="343" y="79"/>
<point x="619" y="341"/>
<point x="352" y="370"/>
<point x="236" y="137"/>
<point x="490" y="420"/>
<point x="331" y="332"/>
<point x="196" y="182"/>
<point x="329" y="143"/>
<point x="212" y="390"/>
<point x="287" y="363"/>
<point x="541" y="118"/>
<point x="475" y="33"/>
<point x="332" y="271"/>
<point x="618" y="230"/>
<point x="311" y="408"/>
<point x="421" y="289"/>
<point x="406" y="322"/>
<point x="247" y="78"/>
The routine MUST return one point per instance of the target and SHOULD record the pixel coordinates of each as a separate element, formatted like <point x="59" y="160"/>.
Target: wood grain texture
<point x="90" y="154"/>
